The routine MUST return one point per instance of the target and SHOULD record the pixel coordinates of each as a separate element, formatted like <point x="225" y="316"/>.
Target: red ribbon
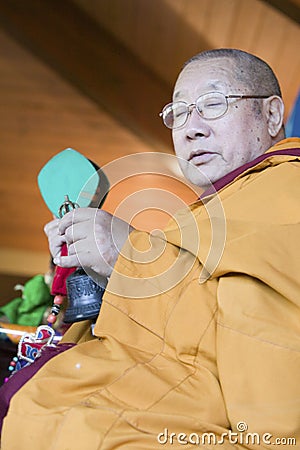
<point x="59" y="286"/>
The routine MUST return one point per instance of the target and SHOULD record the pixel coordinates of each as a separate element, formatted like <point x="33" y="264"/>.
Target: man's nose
<point x="196" y="126"/>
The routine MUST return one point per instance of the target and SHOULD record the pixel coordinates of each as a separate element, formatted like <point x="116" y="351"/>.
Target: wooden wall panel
<point x="288" y="64"/>
<point x="244" y="31"/>
<point x="270" y="35"/>
<point x="164" y="33"/>
<point x="41" y="115"/>
<point x="221" y="22"/>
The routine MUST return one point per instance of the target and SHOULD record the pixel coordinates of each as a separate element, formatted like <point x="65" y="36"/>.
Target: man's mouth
<point x="200" y="156"/>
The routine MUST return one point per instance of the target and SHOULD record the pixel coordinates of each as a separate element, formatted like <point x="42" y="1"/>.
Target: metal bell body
<point x="84" y="297"/>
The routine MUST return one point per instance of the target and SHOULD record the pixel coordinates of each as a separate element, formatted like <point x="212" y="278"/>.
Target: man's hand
<point x="94" y="238"/>
<point x="55" y="239"/>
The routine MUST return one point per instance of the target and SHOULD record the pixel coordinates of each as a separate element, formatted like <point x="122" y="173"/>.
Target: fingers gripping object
<point x="61" y="274"/>
<point x="67" y="206"/>
<point x="84" y="295"/>
<point x="85" y="186"/>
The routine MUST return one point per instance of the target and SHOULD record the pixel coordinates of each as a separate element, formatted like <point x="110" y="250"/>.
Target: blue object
<point x="293" y="124"/>
<point x="71" y="174"/>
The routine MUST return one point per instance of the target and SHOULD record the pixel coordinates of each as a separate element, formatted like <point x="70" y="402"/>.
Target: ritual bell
<point x="84" y="296"/>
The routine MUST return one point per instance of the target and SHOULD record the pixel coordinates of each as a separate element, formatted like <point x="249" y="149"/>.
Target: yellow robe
<point x="184" y="349"/>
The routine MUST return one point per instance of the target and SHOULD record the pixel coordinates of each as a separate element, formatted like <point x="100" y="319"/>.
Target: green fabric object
<point x="10" y="310"/>
<point x="29" y="309"/>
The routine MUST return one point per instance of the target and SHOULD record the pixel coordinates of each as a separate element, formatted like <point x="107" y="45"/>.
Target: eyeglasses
<point x="209" y="106"/>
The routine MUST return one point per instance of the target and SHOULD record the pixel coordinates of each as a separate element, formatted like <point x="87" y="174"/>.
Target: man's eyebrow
<point x="215" y="85"/>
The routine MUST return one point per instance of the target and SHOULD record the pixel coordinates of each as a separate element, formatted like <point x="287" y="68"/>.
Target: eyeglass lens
<point x="209" y="106"/>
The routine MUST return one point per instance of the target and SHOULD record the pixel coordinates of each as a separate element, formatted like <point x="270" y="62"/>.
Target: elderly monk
<point x="198" y="339"/>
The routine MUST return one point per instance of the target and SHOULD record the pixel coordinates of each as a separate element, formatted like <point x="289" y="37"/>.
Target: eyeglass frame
<point x="191" y="106"/>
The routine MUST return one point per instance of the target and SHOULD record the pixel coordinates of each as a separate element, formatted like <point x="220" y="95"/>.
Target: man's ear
<point x="274" y="110"/>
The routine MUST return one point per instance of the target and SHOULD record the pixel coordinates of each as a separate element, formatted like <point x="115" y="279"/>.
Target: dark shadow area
<point x="82" y="52"/>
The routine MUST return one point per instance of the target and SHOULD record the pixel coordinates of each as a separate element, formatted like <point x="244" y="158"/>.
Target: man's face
<point x="209" y="149"/>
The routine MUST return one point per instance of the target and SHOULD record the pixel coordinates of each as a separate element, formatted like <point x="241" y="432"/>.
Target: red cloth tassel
<point x="59" y="286"/>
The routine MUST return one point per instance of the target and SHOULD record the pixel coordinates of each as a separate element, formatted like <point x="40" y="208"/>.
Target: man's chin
<point x="198" y="177"/>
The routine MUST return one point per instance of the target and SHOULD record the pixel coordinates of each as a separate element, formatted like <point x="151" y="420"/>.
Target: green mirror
<point x="71" y="174"/>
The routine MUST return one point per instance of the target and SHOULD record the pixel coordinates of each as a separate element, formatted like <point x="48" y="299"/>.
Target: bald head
<point x="252" y="72"/>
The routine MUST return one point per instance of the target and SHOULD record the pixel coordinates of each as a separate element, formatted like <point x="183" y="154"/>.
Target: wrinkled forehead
<point x="198" y="77"/>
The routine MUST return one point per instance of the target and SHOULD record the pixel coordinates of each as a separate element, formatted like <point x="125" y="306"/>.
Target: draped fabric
<point x="199" y="332"/>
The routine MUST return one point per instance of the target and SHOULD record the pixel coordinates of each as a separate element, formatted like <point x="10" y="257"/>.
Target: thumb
<point x="66" y="261"/>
